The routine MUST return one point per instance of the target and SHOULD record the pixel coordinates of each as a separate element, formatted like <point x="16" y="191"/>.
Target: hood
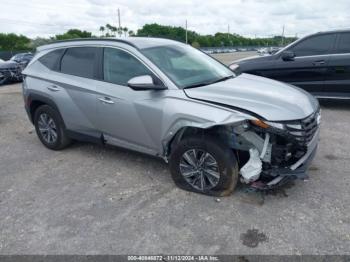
<point x="272" y="100"/>
<point x="8" y="64"/>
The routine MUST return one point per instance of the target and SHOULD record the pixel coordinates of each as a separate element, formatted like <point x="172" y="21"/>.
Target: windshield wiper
<point x="210" y="82"/>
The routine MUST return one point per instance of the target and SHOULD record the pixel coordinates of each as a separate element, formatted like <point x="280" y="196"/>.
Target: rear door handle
<point x="320" y="62"/>
<point x="106" y="100"/>
<point x="53" y="88"/>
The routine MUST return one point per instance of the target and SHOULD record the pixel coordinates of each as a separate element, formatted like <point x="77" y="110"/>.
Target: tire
<point x="53" y="125"/>
<point x="189" y="178"/>
<point x="3" y="80"/>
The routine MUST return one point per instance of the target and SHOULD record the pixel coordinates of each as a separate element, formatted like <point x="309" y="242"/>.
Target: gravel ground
<point x="90" y="199"/>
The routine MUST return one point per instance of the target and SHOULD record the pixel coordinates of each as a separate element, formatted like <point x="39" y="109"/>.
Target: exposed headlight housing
<point x="267" y="124"/>
<point x="275" y="125"/>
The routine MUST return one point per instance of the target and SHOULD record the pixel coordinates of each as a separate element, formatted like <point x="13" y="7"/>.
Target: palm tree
<point x="102" y="29"/>
<point x="120" y="31"/>
<point x="125" y="29"/>
<point x="109" y="27"/>
<point x="114" y="30"/>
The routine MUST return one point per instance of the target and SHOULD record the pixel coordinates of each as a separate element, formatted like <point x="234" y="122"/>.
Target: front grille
<point x="304" y="130"/>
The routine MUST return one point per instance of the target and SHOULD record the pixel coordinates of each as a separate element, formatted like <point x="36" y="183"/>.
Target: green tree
<point x="109" y="29"/>
<point x="114" y="30"/>
<point x="34" y="43"/>
<point x="125" y="30"/>
<point x="10" y="42"/>
<point x="195" y="44"/>
<point x="217" y="40"/>
<point x="72" y="34"/>
<point x="102" y="29"/>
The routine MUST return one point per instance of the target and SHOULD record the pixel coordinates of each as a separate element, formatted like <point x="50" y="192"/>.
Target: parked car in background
<point x="10" y="71"/>
<point x="273" y="50"/>
<point x="170" y="100"/>
<point x="22" y="58"/>
<point x="262" y="51"/>
<point x="318" y="63"/>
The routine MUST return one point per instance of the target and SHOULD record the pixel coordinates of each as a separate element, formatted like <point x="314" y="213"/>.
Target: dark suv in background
<point x="319" y="63"/>
<point x="11" y="70"/>
<point x="22" y="58"/>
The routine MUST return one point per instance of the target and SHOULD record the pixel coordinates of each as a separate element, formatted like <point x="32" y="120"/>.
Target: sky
<point x="251" y="18"/>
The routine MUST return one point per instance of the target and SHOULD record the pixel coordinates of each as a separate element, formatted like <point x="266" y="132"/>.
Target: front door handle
<point x="317" y="63"/>
<point x="53" y="88"/>
<point x="106" y="100"/>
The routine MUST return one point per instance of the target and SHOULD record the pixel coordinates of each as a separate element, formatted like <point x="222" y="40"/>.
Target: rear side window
<point x="119" y="66"/>
<point x="343" y="44"/>
<point x="52" y="59"/>
<point x="315" y="45"/>
<point x="80" y="61"/>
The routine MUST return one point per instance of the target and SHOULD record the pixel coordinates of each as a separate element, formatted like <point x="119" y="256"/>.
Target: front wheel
<point x="204" y="166"/>
<point x="3" y="80"/>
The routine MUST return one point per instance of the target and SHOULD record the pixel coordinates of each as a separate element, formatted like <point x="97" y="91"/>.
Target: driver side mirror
<point x="145" y="82"/>
<point x="288" y="56"/>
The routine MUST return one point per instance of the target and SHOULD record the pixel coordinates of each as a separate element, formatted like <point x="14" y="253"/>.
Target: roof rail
<point x="91" y="39"/>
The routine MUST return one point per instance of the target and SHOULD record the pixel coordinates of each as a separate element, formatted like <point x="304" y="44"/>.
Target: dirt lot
<point x="90" y="199"/>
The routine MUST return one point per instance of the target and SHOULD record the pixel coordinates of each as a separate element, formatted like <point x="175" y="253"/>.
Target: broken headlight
<point x="276" y="125"/>
<point x="267" y="124"/>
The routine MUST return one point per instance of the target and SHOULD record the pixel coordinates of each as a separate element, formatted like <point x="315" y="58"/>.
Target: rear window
<point x="51" y="59"/>
<point x="80" y="61"/>
<point x="343" y="44"/>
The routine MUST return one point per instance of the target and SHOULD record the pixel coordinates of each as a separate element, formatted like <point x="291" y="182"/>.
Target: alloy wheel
<point x="199" y="169"/>
<point x="47" y="128"/>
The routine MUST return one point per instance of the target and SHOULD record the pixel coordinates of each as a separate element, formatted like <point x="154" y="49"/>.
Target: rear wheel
<point x="204" y="166"/>
<point x="50" y="128"/>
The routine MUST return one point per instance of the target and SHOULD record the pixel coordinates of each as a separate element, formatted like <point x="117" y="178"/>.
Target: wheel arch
<point x="192" y="130"/>
<point x="37" y="100"/>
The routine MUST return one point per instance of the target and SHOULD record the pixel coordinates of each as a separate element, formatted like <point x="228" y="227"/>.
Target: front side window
<point x="186" y="66"/>
<point x="80" y="61"/>
<point x="119" y="66"/>
<point x="314" y="45"/>
<point x="343" y="43"/>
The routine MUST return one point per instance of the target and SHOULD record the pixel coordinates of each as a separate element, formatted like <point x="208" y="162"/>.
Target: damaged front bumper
<point x="287" y="174"/>
<point x="276" y="156"/>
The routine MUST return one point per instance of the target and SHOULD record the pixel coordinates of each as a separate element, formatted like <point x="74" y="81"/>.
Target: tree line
<point x="13" y="42"/>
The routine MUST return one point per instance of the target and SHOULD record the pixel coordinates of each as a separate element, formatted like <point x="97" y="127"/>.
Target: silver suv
<point x="167" y="99"/>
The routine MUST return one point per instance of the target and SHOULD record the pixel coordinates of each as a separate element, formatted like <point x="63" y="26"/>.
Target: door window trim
<point x="101" y="61"/>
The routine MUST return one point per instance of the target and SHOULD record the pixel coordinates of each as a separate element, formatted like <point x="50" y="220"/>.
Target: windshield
<point x="15" y="57"/>
<point x="187" y="66"/>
